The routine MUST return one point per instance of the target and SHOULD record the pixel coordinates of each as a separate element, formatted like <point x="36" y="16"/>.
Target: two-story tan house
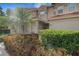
<point x="56" y="16"/>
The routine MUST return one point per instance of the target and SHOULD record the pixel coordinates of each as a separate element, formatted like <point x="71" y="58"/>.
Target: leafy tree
<point x="1" y="12"/>
<point x="8" y="12"/>
<point x="3" y="19"/>
<point x="3" y="22"/>
<point x="20" y="16"/>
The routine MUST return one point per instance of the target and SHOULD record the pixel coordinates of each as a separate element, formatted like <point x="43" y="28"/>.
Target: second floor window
<point x="72" y="7"/>
<point x="43" y="12"/>
<point x="60" y="11"/>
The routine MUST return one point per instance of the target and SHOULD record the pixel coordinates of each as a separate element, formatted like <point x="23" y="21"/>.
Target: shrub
<point x="1" y="40"/>
<point x="29" y="44"/>
<point x="22" y="44"/>
<point x="68" y="39"/>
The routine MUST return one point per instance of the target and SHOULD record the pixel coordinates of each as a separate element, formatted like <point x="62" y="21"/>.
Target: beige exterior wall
<point x="65" y="24"/>
<point x="35" y="27"/>
<point x="42" y="17"/>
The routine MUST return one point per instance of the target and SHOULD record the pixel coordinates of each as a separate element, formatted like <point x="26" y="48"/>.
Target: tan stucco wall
<point x="35" y="27"/>
<point x="64" y="6"/>
<point x="43" y="16"/>
<point x="66" y="24"/>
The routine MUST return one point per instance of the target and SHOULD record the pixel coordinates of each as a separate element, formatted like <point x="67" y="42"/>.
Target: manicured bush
<point x="68" y="39"/>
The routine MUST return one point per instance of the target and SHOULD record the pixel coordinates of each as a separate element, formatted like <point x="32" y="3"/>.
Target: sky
<point x="14" y="5"/>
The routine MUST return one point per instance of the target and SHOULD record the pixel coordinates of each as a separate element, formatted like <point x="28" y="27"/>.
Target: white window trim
<point x="43" y="12"/>
<point x="72" y="10"/>
<point x="61" y="7"/>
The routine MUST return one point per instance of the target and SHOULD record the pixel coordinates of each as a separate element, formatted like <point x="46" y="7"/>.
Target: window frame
<point x="72" y="7"/>
<point x="43" y="12"/>
<point x="60" y="8"/>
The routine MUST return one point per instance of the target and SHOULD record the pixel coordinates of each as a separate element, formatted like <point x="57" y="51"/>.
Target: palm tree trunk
<point x="31" y="28"/>
<point x="23" y="29"/>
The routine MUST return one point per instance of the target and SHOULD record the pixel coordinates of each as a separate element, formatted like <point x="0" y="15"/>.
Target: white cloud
<point x="37" y="5"/>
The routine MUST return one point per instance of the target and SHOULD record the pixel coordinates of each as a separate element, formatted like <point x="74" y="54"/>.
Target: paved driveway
<point x="2" y="50"/>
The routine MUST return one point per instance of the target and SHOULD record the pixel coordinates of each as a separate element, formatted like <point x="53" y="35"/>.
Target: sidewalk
<point x="2" y="50"/>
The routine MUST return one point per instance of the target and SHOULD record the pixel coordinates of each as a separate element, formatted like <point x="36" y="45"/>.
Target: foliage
<point x="1" y="40"/>
<point x="21" y="18"/>
<point x="8" y="12"/>
<point x="60" y="39"/>
<point x="24" y="17"/>
<point x="29" y="44"/>
<point x="3" y="21"/>
<point x="1" y="12"/>
<point x="18" y="44"/>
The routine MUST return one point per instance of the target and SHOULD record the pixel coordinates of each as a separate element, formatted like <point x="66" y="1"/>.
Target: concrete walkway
<point x="2" y="50"/>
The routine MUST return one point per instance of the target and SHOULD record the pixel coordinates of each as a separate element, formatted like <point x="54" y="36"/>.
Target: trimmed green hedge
<point x="67" y="39"/>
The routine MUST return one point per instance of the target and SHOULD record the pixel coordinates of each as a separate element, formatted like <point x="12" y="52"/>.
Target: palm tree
<point x="25" y="18"/>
